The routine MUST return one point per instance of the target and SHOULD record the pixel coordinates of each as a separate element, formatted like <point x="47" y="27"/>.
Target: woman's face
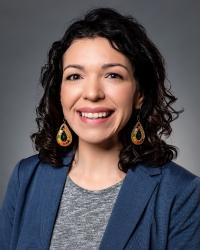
<point x="98" y="90"/>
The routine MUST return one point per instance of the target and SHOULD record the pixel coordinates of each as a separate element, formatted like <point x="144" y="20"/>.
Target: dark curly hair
<point x="128" y="37"/>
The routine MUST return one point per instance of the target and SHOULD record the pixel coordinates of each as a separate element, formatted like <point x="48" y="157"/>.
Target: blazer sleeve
<point x="7" y="211"/>
<point x="184" y="228"/>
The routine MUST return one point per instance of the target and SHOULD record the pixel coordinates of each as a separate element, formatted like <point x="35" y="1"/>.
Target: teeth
<point x="94" y="115"/>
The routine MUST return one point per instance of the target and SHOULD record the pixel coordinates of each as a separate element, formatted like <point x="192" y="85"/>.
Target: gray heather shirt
<point x="82" y="217"/>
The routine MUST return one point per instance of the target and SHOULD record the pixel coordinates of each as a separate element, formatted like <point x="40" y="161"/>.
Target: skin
<point x="97" y="75"/>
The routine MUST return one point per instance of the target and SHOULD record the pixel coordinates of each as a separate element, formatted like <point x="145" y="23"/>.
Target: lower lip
<point x="94" y="121"/>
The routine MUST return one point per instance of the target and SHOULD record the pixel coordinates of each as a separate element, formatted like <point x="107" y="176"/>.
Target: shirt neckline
<point x="99" y="191"/>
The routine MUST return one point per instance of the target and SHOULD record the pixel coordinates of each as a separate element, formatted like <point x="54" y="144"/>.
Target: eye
<point x="73" y="77"/>
<point x="114" y="76"/>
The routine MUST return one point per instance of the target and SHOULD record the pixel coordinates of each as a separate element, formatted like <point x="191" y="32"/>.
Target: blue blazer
<point x="156" y="209"/>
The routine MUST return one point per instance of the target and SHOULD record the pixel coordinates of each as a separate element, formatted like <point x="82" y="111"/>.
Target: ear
<point x="138" y="100"/>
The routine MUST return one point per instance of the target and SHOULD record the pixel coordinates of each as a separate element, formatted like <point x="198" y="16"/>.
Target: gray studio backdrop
<point x="29" y="27"/>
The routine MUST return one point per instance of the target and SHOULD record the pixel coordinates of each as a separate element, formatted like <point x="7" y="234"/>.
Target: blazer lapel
<point x="134" y="194"/>
<point x="52" y="189"/>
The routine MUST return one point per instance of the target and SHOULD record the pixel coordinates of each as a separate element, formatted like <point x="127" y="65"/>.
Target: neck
<point x="97" y="162"/>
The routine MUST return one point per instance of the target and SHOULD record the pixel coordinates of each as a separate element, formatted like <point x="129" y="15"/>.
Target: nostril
<point x="93" y="94"/>
<point x="94" y="97"/>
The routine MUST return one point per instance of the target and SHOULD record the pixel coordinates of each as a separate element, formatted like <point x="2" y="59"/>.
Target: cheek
<point x="64" y="98"/>
<point x="126" y="103"/>
<point x="67" y="97"/>
<point x="124" y="97"/>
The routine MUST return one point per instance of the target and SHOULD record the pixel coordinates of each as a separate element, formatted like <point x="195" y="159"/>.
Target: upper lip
<point x="94" y="110"/>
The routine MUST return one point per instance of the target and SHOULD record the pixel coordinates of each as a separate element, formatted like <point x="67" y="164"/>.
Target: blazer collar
<point x="132" y="199"/>
<point x="134" y="194"/>
<point x="53" y="182"/>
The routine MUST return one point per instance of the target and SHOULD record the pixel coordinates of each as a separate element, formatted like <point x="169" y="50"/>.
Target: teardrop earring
<point x="64" y="136"/>
<point x="138" y="134"/>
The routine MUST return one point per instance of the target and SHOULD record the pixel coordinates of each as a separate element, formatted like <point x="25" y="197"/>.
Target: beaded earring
<point x="64" y="136"/>
<point x="138" y="134"/>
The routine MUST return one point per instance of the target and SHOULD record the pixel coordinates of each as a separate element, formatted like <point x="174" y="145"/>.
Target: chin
<point x="98" y="140"/>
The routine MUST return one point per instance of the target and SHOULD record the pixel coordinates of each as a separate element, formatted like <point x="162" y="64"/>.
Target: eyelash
<point x="116" y="75"/>
<point x="75" y="77"/>
<point x="71" y="77"/>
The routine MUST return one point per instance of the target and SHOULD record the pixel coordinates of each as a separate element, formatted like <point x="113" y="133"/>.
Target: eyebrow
<point x="104" y="66"/>
<point x="76" y="66"/>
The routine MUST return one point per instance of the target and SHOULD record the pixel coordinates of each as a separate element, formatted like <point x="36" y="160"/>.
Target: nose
<point x="93" y="90"/>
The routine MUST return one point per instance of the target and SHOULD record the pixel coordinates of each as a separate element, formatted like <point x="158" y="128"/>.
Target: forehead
<point x="96" y="50"/>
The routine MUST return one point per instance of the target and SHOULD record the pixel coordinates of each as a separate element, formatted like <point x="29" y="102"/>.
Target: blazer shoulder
<point x="181" y="191"/>
<point x="178" y="177"/>
<point x="177" y="171"/>
<point x="29" y="163"/>
<point x="25" y="168"/>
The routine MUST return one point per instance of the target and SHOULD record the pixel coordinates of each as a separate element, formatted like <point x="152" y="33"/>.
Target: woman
<point x="104" y="177"/>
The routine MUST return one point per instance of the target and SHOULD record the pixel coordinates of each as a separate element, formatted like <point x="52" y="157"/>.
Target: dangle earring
<point x="138" y="134"/>
<point x="64" y="136"/>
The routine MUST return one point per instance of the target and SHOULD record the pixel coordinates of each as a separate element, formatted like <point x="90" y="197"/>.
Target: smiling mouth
<point x="96" y="115"/>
